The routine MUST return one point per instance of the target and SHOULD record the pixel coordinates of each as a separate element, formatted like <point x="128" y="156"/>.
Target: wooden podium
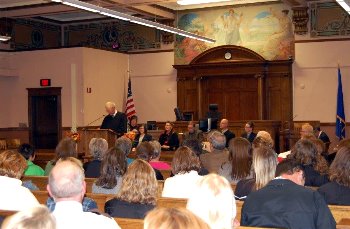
<point x="88" y="134"/>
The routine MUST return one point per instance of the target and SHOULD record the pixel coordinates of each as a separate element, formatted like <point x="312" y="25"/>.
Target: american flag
<point x="130" y="106"/>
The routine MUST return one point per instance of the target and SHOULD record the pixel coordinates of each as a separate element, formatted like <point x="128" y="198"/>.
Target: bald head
<point x="66" y="180"/>
<point x="110" y="108"/>
<point x="224" y="124"/>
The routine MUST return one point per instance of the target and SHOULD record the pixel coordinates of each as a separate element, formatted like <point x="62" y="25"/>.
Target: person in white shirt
<point x="13" y="196"/>
<point x="67" y="187"/>
<point x="185" y="166"/>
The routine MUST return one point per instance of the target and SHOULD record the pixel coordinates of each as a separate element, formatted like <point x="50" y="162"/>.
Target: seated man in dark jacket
<point x="285" y="203"/>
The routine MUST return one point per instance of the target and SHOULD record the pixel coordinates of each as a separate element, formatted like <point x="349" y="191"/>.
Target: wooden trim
<point x="322" y="40"/>
<point x="14" y="129"/>
<point x="152" y="51"/>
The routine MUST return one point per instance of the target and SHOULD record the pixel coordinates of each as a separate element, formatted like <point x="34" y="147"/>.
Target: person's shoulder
<point x="101" y="220"/>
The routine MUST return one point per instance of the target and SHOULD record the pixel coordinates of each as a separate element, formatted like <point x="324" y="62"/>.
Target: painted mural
<point x="266" y="29"/>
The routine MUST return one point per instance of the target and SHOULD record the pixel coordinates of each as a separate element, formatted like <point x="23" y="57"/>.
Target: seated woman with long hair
<point x="169" y="140"/>
<point x="239" y="165"/>
<point x="314" y="165"/>
<point x="67" y="147"/>
<point x="137" y="194"/>
<point x="264" y="164"/>
<point x="97" y="148"/>
<point x="145" y="152"/>
<point x="213" y="201"/>
<point x="141" y="136"/>
<point x="185" y="166"/>
<point x="113" y="167"/>
<point x="337" y="191"/>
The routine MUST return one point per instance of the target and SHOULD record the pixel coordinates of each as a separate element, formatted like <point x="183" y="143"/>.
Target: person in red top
<point x="154" y="162"/>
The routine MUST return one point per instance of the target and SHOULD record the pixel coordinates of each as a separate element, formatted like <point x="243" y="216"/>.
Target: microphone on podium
<point x="94" y="121"/>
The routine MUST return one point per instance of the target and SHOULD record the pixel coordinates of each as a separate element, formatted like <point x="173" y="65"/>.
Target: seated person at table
<point x="218" y="154"/>
<point x="132" y="125"/>
<point x="67" y="187"/>
<point x="192" y="133"/>
<point x="33" y="218"/>
<point x="67" y="147"/>
<point x="196" y="147"/>
<point x="154" y="162"/>
<point x="28" y="152"/>
<point x="145" y="151"/>
<point x="13" y="196"/>
<point x="239" y="164"/>
<point x="138" y="193"/>
<point x="125" y="145"/>
<point x="97" y="147"/>
<point x="285" y="203"/>
<point x="224" y="129"/>
<point x="249" y="134"/>
<point x="113" y="167"/>
<point x="314" y="165"/>
<point x="142" y="136"/>
<point x="213" y="201"/>
<point x="337" y="192"/>
<point x="185" y="166"/>
<point x="169" y="140"/>
<point x="173" y="218"/>
<point x="264" y="165"/>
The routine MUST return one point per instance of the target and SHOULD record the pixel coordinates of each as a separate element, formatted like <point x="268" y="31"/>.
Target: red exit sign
<point x="45" y="82"/>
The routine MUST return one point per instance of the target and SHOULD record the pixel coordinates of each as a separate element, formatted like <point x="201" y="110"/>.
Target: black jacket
<point x="335" y="193"/>
<point x="146" y="138"/>
<point x="284" y="204"/>
<point x="251" y="137"/>
<point x="244" y="188"/>
<point x="228" y="135"/>
<point x="171" y="140"/>
<point x="123" y="209"/>
<point x="324" y="137"/>
<point x="314" y="178"/>
<point x="117" y="123"/>
<point x="92" y="169"/>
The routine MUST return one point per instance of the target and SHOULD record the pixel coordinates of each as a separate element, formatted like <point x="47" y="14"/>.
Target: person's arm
<point x="324" y="217"/>
<point x="174" y="141"/>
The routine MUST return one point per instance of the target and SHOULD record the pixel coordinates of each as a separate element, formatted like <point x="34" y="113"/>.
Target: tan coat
<point x="212" y="161"/>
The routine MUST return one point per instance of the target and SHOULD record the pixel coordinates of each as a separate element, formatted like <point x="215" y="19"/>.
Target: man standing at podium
<point x="115" y="120"/>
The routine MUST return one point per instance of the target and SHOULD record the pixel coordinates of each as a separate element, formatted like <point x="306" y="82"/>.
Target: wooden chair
<point x="171" y="202"/>
<point x="41" y="196"/>
<point x="160" y="187"/>
<point x="100" y="199"/>
<point x="165" y="173"/>
<point x="239" y="205"/>
<point x="126" y="223"/>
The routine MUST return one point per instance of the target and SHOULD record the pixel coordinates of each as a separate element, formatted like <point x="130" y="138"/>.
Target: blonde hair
<point x="12" y="164"/>
<point x="110" y="105"/>
<point x="213" y="201"/>
<point x="173" y="218"/>
<point x="266" y="136"/>
<point x="34" y="218"/>
<point x="139" y="184"/>
<point x="264" y="164"/>
<point x="306" y="130"/>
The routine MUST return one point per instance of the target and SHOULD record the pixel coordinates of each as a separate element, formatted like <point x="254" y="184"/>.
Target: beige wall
<point x="154" y="85"/>
<point x="315" y="79"/>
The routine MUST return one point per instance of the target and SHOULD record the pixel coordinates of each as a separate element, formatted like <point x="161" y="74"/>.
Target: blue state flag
<point x="340" y="121"/>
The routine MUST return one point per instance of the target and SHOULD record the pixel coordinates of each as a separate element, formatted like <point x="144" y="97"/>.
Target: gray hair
<point x="217" y="140"/>
<point x="157" y="149"/>
<point x="124" y="144"/>
<point x="110" y="105"/>
<point x="97" y="147"/>
<point x="32" y="218"/>
<point x="66" y="178"/>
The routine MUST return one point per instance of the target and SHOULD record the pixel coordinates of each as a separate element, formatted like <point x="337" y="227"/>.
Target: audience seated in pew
<point x="113" y="167"/>
<point x="33" y="218"/>
<point x="169" y="140"/>
<point x="125" y="145"/>
<point x="314" y="165"/>
<point x="28" y="152"/>
<point x="13" y="196"/>
<point x="185" y="166"/>
<point x="138" y="192"/>
<point x="67" y="147"/>
<point x="285" y="203"/>
<point x="196" y="147"/>
<point x="192" y="133"/>
<point x="218" y="154"/>
<point x="338" y="190"/>
<point x="239" y="164"/>
<point x="67" y="187"/>
<point x="97" y="148"/>
<point x="264" y="164"/>
<point x="154" y="161"/>
<point x="213" y="201"/>
<point x="173" y="218"/>
<point x="144" y="151"/>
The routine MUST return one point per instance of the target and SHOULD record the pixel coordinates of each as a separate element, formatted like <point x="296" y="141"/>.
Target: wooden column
<point x="261" y="96"/>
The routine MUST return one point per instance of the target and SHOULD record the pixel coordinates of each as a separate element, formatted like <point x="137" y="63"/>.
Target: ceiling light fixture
<point x="4" y="38"/>
<point x="194" y="2"/>
<point x="122" y="16"/>
<point x="345" y="5"/>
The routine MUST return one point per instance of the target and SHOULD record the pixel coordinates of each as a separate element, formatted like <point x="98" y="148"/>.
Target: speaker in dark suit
<point x="115" y="120"/>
